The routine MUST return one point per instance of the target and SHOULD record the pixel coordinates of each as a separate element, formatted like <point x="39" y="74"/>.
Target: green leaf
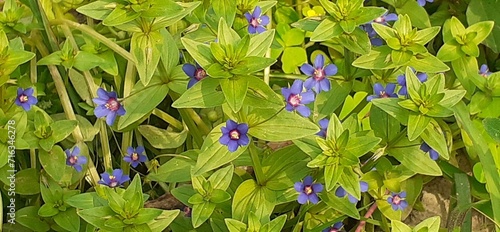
<point x="146" y="50"/>
<point x="368" y="14"/>
<point x="358" y="41"/>
<point x="359" y="146"/>
<point x="252" y="64"/>
<point x="326" y="30"/>
<point x="293" y="37"/>
<point x="161" y="222"/>
<point x="284" y="167"/>
<point x="274" y="225"/>
<point x="260" y="43"/>
<point x="333" y="173"/>
<point x="428" y="63"/>
<point x="159" y="8"/>
<point x="162" y="139"/>
<point x="293" y="57"/>
<point x="398" y="226"/>
<point x="384" y="31"/>
<point x="284" y="126"/>
<point x="199" y="51"/>
<point x="222" y="177"/>
<point x="54" y="163"/>
<point x="47" y="210"/>
<point x="177" y="169"/>
<point x="29" y="218"/>
<point x="85" y="61"/>
<point x="401" y="57"/>
<point x="464" y="68"/>
<point x="480" y="11"/>
<point x="350" y="182"/>
<point x="62" y="129"/>
<point x="492" y="126"/>
<point x="340" y="204"/>
<point x="424" y="36"/>
<point x="120" y="16"/>
<point x="391" y="107"/>
<point x="481" y="30"/>
<point x="141" y="102"/>
<point x="383" y="125"/>
<point x="410" y="156"/>
<point x="214" y="154"/>
<point x="68" y="220"/>
<point x="235" y="91"/>
<point x="225" y="9"/>
<point x="429" y="224"/>
<point x="203" y="94"/>
<point x="252" y="197"/>
<point x="235" y="225"/>
<point x="416" y="125"/>
<point x="450" y="51"/>
<point x="219" y="196"/>
<point x="183" y="193"/>
<point x="96" y="10"/>
<point x="226" y="35"/>
<point x="146" y="215"/>
<point x="260" y="95"/>
<point x="97" y="216"/>
<point x="169" y="53"/>
<point x="434" y="136"/>
<point x="83" y="200"/>
<point x="377" y="58"/>
<point x="418" y="15"/>
<point x="328" y="101"/>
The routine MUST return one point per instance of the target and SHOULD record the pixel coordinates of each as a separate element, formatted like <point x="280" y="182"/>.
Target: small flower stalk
<point x="108" y="106"/>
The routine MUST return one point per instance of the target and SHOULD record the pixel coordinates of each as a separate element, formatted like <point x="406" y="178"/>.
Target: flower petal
<point x="422" y="77"/>
<point x="297" y="87"/>
<point x="319" y="61"/>
<point x="317" y="188"/>
<point x="352" y="199"/>
<point x="402" y="194"/>
<point x="307" y="69"/>
<point x="260" y="29"/>
<point x="303" y="110"/>
<point x="402" y="80"/>
<point x="298" y="186"/>
<point x="189" y="69"/>
<point x="434" y="155"/>
<point x="257" y="12"/>
<point x="251" y="29"/>
<point x="102" y="94"/>
<point x="248" y="16"/>
<point x="264" y="20"/>
<point x="29" y="91"/>
<point x="313" y="198"/>
<point x="391" y="17"/>
<point x="224" y="139"/>
<point x="340" y="192"/>
<point x="242" y="128"/>
<point x="308" y="180"/>
<point x="363" y="186"/>
<point x="390" y="88"/>
<point x="331" y="70"/>
<point x="110" y="119"/>
<point x="302" y="199"/>
<point x="323" y="123"/>
<point x="232" y="145"/>
<point x="244" y="140"/>
<point x="309" y="84"/>
<point x="231" y="125"/>
<point x="101" y="111"/>
<point x="307" y="97"/>
<point x="324" y="85"/>
<point x="377" y="88"/>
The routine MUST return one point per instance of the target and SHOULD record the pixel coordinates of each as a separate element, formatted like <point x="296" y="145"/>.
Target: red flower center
<point x="73" y="159"/>
<point x="234" y="134"/>
<point x="113" y="182"/>
<point x="294" y="100"/>
<point x="308" y="189"/>
<point x="255" y="22"/>
<point x="396" y="200"/>
<point x="135" y="156"/>
<point x="23" y="98"/>
<point x="112" y="104"/>
<point x="200" y="74"/>
<point x="384" y="94"/>
<point x="319" y="74"/>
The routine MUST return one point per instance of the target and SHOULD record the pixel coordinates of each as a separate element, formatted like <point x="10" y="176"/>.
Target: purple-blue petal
<point x="308" y="180"/>
<point x="363" y="186"/>
<point x="244" y="140"/>
<point x="391" y="17"/>
<point x="102" y="94"/>
<point x="324" y="85"/>
<point x="303" y="110"/>
<point x="224" y="139"/>
<point x="231" y="125"/>
<point x="340" y="192"/>
<point x="313" y="198"/>
<point x="248" y="16"/>
<point x="317" y="188"/>
<point x="139" y="150"/>
<point x="251" y="29"/>
<point x="307" y="97"/>
<point x="434" y="155"/>
<point x="302" y="199"/>
<point x="264" y="20"/>
<point x="298" y="186"/>
<point x="296" y="87"/>
<point x="260" y="29"/>
<point x="389" y="89"/>
<point x="307" y="69"/>
<point x="232" y="145"/>
<point x="319" y="62"/>
<point x="242" y="128"/>
<point x="189" y="70"/>
<point x="110" y="119"/>
<point x="352" y="199"/>
<point x="330" y="70"/>
<point x="309" y="83"/>
<point x="257" y="12"/>
<point x="402" y="194"/>
<point x="377" y="88"/>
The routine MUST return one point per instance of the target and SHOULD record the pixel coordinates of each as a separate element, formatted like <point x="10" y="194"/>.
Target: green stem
<point x="196" y="118"/>
<point x="267" y="71"/>
<point x="33" y="77"/>
<point x="130" y="77"/>
<point x="94" y="34"/>
<point x="168" y="118"/>
<point x="257" y="167"/>
<point x="347" y="63"/>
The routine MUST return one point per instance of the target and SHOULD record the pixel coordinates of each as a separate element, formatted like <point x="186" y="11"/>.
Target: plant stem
<point x="130" y="77"/>
<point x="367" y="215"/>
<point x="200" y="123"/>
<point x="94" y="34"/>
<point x="168" y="118"/>
<point x="33" y="77"/>
<point x="267" y="70"/>
<point x="347" y="63"/>
<point x="257" y="167"/>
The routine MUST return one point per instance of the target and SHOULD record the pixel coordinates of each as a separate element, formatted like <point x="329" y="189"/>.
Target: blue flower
<point x="256" y="21"/>
<point x="25" y="98"/>
<point x="340" y="192"/>
<point x="234" y="135"/>
<point x="195" y="73"/>
<point x="74" y="159"/>
<point x="108" y="106"/>
<point x="381" y="92"/>
<point x="295" y="98"/>
<point x="114" y="180"/>
<point x="398" y="201"/>
<point x="135" y="156"/>
<point x="308" y="190"/>
<point x="386" y="18"/>
<point x="334" y="228"/>
<point x="432" y="153"/>
<point x="423" y="2"/>
<point x="484" y="71"/>
<point x="318" y="74"/>
<point x="402" y="81"/>
<point x="323" y="124"/>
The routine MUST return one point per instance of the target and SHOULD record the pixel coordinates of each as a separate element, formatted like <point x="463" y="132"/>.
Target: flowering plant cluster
<point x="248" y="115"/>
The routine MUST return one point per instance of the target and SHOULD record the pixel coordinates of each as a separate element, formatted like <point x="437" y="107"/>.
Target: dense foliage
<point x="247" y="115"/>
